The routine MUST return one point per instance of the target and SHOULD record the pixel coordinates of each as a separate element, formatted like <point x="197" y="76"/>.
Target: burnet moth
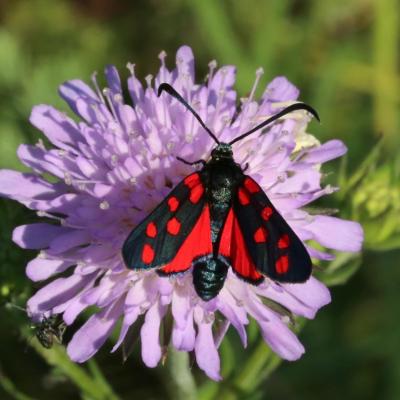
<point x="219" y="218"/>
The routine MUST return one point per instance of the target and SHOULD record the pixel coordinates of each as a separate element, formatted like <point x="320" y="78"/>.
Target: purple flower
<point x="117" y="162"/>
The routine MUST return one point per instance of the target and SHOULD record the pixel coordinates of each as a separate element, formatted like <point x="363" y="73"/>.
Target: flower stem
<point x="179" y="379"/>
<point x="258" y="367"/>
<point x="91" y="386"/>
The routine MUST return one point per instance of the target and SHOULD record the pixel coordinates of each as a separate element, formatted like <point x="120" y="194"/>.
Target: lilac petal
<point x="336" y="233"/>
<point x="74" y="89"/>
<point x="235" y="314"/>
<point x="38" y="159"/>
<point x="74" y="308"/>
<point x="184" y="339"/>
<point x="223" y="80"/>
<point x="57" y="292"/>
<point x="321" y="255"/>
<point x="150" y="335"/>
<point x="302" y="181"/>
<point x="303" y="299"/>
<point x="41" y="268"/>
<point x="280" y="89"/>
<point x="131" y="315"/>
<point x="55" y="125"/>
<point x="11" y="183"/>
<point x="68" y="240"/>
<point x="312" y="292"/>
<point x="37" y="236"/>
<point x="135" y="90"/>
<point x="281" y="339"/>
<point x="113" y="79"/>
<point x="328" y="151"/>
<point x="92" y="335"/>
<point x="181" y="306"/>
<point x="207" y="356"/>
<point x="185" y="62"/>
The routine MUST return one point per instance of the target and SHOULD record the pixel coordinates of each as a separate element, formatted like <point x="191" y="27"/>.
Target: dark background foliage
<point x="344" y="57"/>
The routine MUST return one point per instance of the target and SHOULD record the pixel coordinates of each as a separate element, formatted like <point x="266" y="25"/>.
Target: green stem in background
<point x="179" y="379"/>
<point x="9" y="387"/>
<point x="94" y="387"/>
<point x="385" y="53"/>
<point x="101" y="380"/>
<point x="261" y="363"/>
<point x="256" y="369"/>
<point x="217" y="28"/>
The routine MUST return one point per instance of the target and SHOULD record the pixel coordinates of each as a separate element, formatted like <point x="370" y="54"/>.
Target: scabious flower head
<point x="113" y="164"/>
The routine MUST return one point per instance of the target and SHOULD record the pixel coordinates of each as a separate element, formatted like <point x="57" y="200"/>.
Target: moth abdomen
<point x="208" y="277"/>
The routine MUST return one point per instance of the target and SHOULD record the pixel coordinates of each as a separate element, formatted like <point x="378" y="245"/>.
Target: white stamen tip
<point x="67" y="179"/>
<point x="104" y="205"/>
<point x="148" y="79"/>
<point x="212" y="64"/>
<point x="260" y="71"/>
<point x="132" y="180"/>
<point x="131" y="68"/>
<point x="208" y="318"/>
<point x="118" y="97"/>
<point x="42" y="254"/>
<point x="162" y="55"/>
<point x="329" y="189"/>
<point x="40" y="144"/>
<point x="114" y="160"/>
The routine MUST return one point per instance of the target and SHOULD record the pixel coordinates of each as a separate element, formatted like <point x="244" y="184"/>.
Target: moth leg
<point x="191" y="163"/>
<point x="246" y="166"/>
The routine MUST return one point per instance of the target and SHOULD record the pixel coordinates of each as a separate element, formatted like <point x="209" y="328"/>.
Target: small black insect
<point x="48" y="330"/>
<point x="218" y="218"/>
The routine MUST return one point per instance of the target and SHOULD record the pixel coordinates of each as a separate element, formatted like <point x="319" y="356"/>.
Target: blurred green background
<point x="344" y="56"/>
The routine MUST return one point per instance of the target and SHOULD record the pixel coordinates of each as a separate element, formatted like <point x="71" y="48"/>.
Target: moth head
<point x="222" y="151"/>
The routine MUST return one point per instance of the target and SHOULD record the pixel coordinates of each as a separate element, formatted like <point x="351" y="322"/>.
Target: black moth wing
<point x="157" y="239"/>
<point x="274" y="248"/>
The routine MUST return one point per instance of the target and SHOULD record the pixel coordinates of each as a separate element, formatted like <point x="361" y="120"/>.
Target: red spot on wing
<point x="282" y="265"/>
<point x="196" y="193"/>
<point x="151" y="230"/>
<point x="192" y="180"/>
<point x="197" y="243"/>
<point x="147" y="254"/>
<point x="173" y="226"/>
<point x="251" y="185"/>
<point x="233" y="247"/>
<point x="260" y="235"/>
<point x="243" y="195"/>
<point x="284" y="241"/>
<point x="266" y="213"/>
<point x="173" y="204"/>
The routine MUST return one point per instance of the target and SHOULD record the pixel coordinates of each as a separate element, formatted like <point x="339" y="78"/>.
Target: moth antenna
<point x="172" y="92"/>
<point x="287" y="110"/>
